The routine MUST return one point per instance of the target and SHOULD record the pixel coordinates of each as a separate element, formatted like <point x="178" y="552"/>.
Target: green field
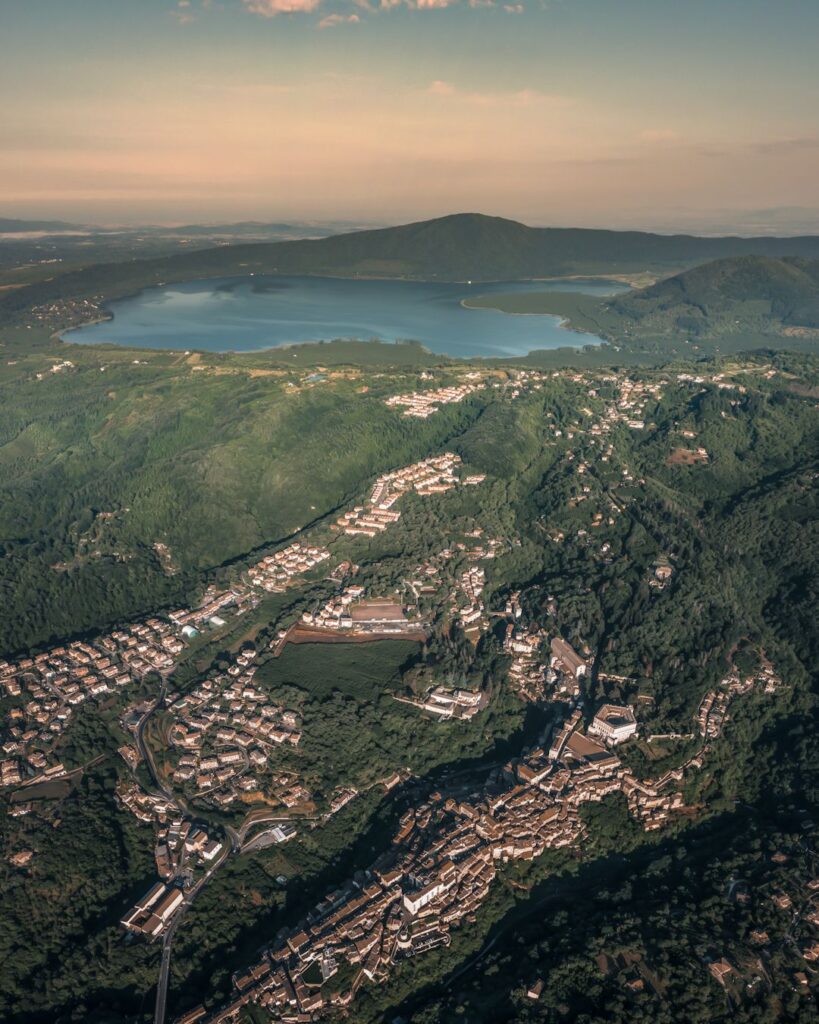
<point x="583" y="311"/>
<point x="363" y="671"/>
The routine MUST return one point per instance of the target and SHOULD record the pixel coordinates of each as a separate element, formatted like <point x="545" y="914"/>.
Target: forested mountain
<point x="784" y="291"/>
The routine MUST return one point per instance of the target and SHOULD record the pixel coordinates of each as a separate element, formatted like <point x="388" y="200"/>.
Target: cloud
<point x="797" y="145"/>
<point x="183" y="13"/>
<point x="413" y="4"/>
<point x="513" y="8"/>
<point x="331" y="20"/>
<point x="270" y="8"/>
<point x="517" y="98"/>
<point x="439" y="88"/>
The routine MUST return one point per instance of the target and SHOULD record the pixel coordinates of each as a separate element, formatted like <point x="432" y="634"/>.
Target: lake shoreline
<point x="238" y="314"/>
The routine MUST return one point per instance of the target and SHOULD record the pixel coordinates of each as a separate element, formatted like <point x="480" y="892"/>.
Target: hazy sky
<point x="659" y="113"/>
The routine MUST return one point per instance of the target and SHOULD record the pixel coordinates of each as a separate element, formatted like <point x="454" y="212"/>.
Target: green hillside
<point x="758" y="289"/>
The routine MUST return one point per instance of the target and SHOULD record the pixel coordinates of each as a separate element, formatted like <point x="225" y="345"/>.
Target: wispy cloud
<point x="270" y="8"/>
<point x="332" y="20"/>
<point x="797" y="145"/>
<point x="183" y="13"/>
<point x="515" y="98"/>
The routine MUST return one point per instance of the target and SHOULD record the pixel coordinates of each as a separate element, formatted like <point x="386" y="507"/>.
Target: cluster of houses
<point x="713" y="708"/>
<point x="473" y="616"/>
<point x="350" y="612"/>
<point x="628" y="407"/>
<point x="445" y="703"/>
<point x="224" y="732"/>
<point x="59" y="367"/>
<point x="56" y="682"/>
<point x="48" y="687"/>
<point x="800" y="903"/>
<point x="274" y="572"/>
<point x="177" y="840"/>
<point x="182" y="851"/>
<point x="422" y="404"/>
<point x="425" y="579"/>
<point x="434" y="475"/>
<point x="536" y="679"/>
<point x="66" y="312"/>
<point x="443" y="860"/>
<point x="526" y="670"/>
<point x="212" y="608"/>
<point x="633" y="399"/>
<point x="146" y="807"/>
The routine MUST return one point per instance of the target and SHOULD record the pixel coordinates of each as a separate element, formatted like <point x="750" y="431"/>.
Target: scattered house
<point x="721" y="971"/>
<point x="535" y="990"/>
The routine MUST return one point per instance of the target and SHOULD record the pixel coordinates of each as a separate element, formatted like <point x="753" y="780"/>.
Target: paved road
<point x="164" y="970"/>
<point x="143" y="747"/>
<point x="167" y="939"/>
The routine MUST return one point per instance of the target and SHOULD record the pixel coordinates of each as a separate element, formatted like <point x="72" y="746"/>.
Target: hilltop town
<point x="444" y="859"/>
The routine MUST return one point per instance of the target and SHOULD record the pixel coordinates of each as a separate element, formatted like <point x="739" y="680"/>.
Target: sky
<point x="663" y="114"/>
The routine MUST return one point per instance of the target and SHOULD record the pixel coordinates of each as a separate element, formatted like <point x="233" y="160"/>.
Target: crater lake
<point x="251" y="313"/>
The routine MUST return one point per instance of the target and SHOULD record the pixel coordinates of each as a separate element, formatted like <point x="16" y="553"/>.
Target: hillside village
<point x="442" y="863"/>
<point x="58" y="680"/>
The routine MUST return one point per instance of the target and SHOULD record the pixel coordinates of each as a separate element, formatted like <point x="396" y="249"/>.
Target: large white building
<point x="613" y="723"/>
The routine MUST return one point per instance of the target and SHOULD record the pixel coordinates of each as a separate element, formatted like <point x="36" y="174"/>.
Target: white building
<point x="613" y="723"/>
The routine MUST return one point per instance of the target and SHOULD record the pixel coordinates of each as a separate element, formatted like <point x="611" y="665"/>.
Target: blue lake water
<point x="251" y="313"/>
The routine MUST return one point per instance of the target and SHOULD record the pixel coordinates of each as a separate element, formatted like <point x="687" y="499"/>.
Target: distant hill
<point x="455" y="248"/>
<point x="9" y="225"/>
<point x="753" y="290"/>
<point x="246" y="229"/>
<point x="476" y="247"/>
